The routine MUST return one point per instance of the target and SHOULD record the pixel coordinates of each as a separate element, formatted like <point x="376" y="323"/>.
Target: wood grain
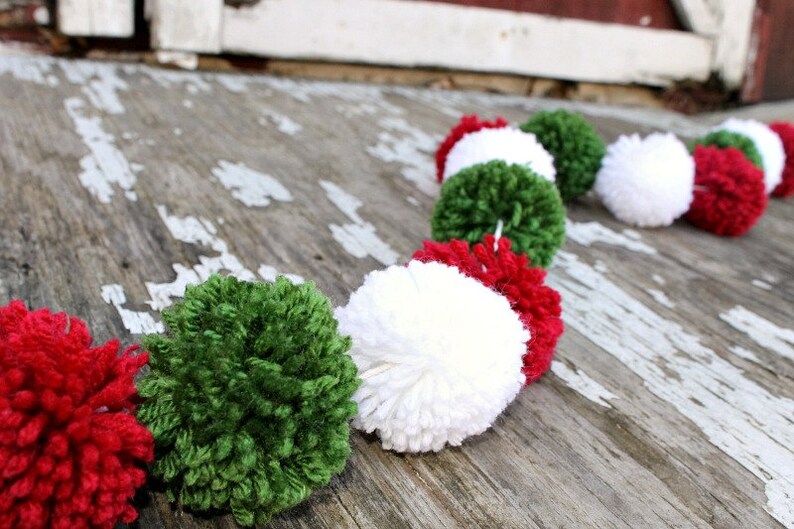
<point x="664" y="447"/>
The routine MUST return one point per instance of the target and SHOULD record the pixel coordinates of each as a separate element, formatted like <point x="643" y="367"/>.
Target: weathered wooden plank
<point x="468" y="38"/>
<point x="670" y="406"/>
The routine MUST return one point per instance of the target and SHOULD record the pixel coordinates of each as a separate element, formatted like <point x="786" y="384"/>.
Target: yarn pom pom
<point x="786" y="133"/>
<point x="768" y="144"/>
<point x="725" y="138"/>
<point x="507" y="144"/>
<point x="646" y="182"/>
<point x="467" y="124"/>
<point x="473" y="203"/>
<point x="575" y="145"/>
<point x="439" y="353"/>
<point x="249" y="397"/>
<point x="730" y="195"/>
<point x="496" y="266"/>
<point x="71" y="451"/>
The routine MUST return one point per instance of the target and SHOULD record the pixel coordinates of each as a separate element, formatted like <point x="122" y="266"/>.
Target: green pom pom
<point x="249" y="397"/>
<point x="475" y="199"/>
<point x="575" y="145"/>
<point x="726" y="138"/>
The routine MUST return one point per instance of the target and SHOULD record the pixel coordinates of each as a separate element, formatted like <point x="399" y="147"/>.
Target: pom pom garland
<point x="72" y="452"/>
<point x="725" y="138"/>
<point x="249" y="396"/>
<point x="466" y="125"/>
<point x="646" y="182"/>
<point x="439" y="353"/>
<point x="496" y="266"/>
<point x="575" y="145"/>
<point x="510" y="145"/>
<point x="478" y="197"/>
<point x="768" y="144"/>
<point x="786" y="133"/>
<point x="730" y="195"/>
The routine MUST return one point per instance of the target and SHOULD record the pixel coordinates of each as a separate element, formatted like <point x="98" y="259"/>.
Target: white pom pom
<point x="440" y="355"/>
<point x="511" y="145"/>
<point x="646" y="182"/>
<point x="769" y="146"/>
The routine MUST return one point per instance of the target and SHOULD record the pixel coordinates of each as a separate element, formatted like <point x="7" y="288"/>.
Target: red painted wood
<point x="771" y="76"/>
<point x="646" y="13"/>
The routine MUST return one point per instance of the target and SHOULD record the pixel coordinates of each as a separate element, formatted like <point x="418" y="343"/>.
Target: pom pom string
<point x="500" y="224"/>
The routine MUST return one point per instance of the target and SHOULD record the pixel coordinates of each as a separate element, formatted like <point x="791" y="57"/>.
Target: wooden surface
<point x="671" y="400"/>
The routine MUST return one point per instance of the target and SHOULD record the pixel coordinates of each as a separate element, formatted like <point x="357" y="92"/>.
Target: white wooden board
<point x="99" y="18"/>
<point x="403" y="33"/>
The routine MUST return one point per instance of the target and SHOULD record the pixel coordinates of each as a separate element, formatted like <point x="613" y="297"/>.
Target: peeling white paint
<point x="763" y="285"/>
<point x="137" y="322"/>
<point x="236" y="84"/>
<point x="583" y="384"/>
<point x="177" y="131"/>
<point x="659" y="280"/>
<point x="98" y="81"/>
<point x="283" y="123"/>
<point x="190" y="230"/>
<point x="252" y="188"/>
<point x="201" y="232"/>
<point x="660" y="297"/>
<point x="355" y="94"/>
<point x="37" y="70"/>
<point x="409" y="146"/>
<point x="413" y="201"/>
<point x="739" y="416"/>
<point x="589" y="233"/>
<point x="270" y="273"/>
<point x="106" y="165"/>
<point x="741" y="352"/>
<point x="359" y="238"/>
<point x="187" y="103"/>
<point x="761" y="331"/>
<point x="191" y="82"/>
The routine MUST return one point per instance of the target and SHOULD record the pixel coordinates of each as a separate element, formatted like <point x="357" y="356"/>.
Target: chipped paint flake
<point x="359" y="238"/>
<point x="270" y="273"/>
<point x="136" y="322"/>
<point x="410" y="147"/>
<point x="577" y="380"/>
<point x="106" y="165"/>
<point x="738" y="416"/>
<point x="283" y="123"/>
<point x="761" y="331"/>
<point x="589" y="233"/>
<point x="763" y="285"/>
<point x="660" y="298"/>
<point x="191" y="82"/>
<point x="98" y="81"/>
<point x="741" y="352"/>
<point x="252" y="188"/>
<point x="659" y="280"/>
<point x="37" y="70"/>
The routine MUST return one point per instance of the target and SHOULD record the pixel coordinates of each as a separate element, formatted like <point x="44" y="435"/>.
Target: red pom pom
<point x="511" y="275"/>
<point x="467" y="124"/>
<point x="729" y="195"/>
<point x="786" y="132"/>
<point x="69" y="445"/>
